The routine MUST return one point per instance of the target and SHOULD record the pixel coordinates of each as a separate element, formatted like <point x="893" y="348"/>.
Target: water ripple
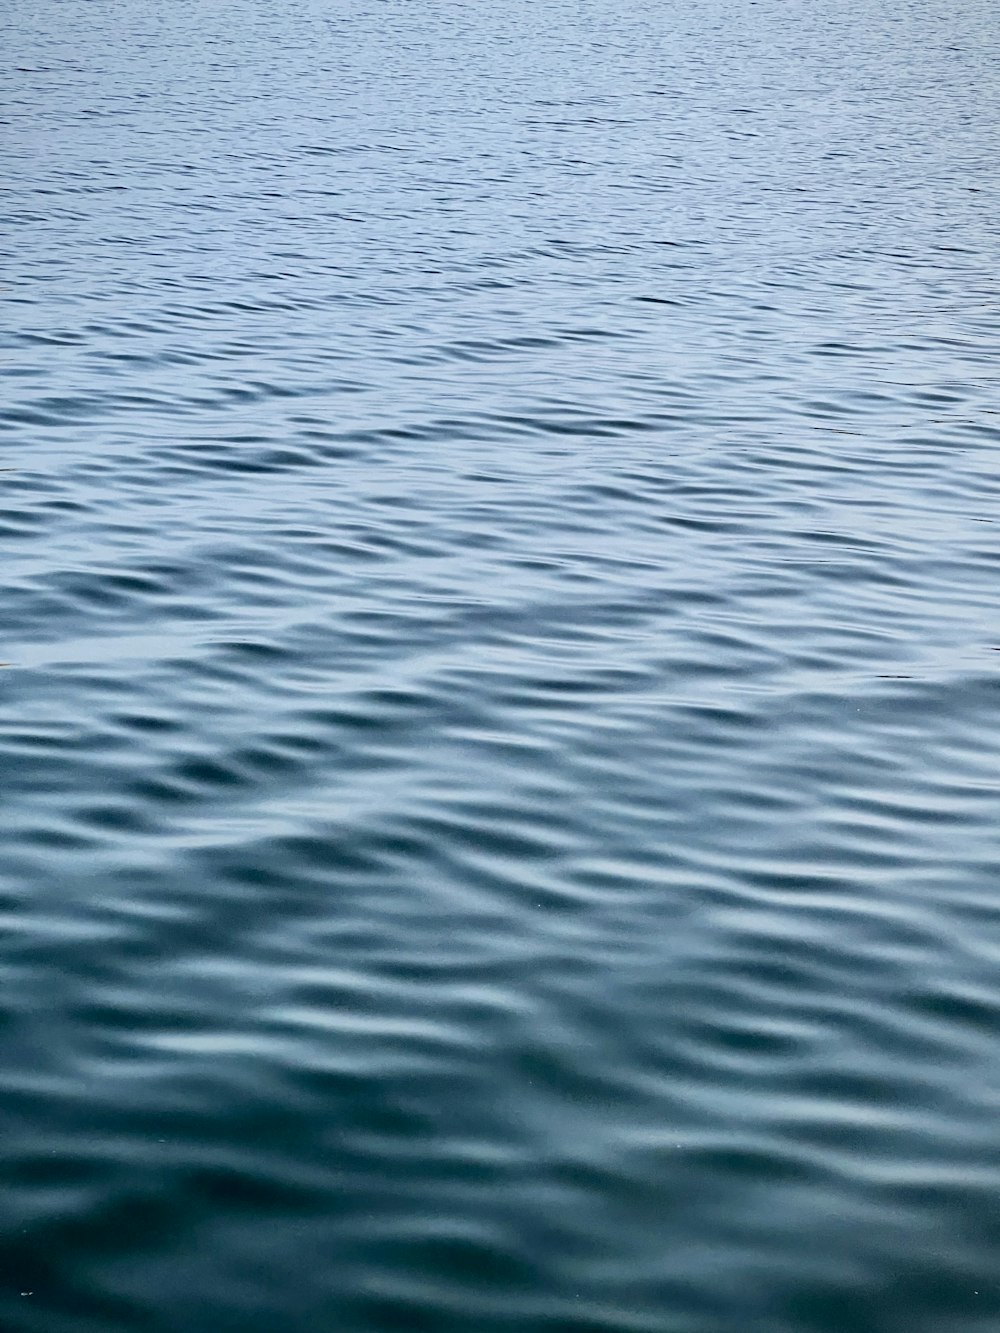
<point x="499" y="669"/>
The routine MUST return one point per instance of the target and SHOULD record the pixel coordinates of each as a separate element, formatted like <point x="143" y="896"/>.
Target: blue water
<point x="499" y="725"/>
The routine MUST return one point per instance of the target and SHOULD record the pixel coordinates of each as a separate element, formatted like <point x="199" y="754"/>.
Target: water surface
<point x="499" y="731"/>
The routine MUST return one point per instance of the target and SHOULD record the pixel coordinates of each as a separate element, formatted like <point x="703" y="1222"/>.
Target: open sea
<point x="500" y="705"/>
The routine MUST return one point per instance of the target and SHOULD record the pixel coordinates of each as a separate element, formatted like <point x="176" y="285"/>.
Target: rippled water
<point x="500" y="719"/>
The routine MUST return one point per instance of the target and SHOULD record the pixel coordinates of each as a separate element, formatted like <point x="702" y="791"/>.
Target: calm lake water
<point x="500" y="724"/>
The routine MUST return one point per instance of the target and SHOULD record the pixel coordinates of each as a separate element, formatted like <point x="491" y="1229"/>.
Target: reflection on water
<point x="499" y="725"/>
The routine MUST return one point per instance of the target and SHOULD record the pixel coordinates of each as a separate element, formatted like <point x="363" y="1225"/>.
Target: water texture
<point x="499" y="726"/>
